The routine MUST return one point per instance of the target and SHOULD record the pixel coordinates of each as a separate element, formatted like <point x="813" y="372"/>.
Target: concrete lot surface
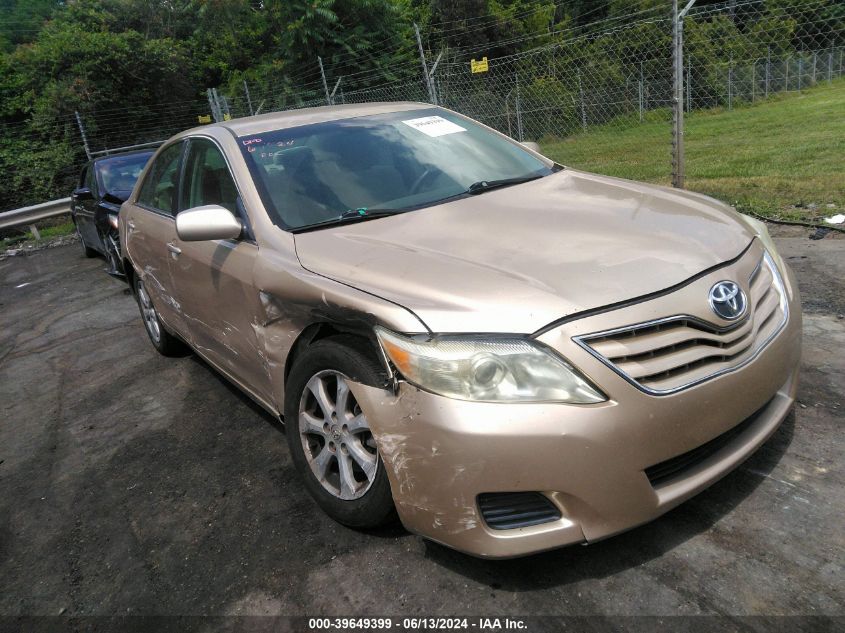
<point x="136" y="484"/>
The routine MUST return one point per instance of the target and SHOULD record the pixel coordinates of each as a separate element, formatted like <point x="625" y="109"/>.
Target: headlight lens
<point x="487" y="369"/>
<point x="113" y="220"/>
<point x="763" y="233"/>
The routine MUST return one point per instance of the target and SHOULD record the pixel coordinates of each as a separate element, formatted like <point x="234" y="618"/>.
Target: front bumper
<point x="590" y="461"/>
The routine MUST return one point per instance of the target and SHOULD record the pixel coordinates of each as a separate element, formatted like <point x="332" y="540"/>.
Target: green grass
<point x="773" y="157"/>
<point x="46" y="232"/>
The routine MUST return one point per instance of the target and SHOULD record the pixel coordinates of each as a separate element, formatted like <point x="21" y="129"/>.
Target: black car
<point x="104" y="185"/>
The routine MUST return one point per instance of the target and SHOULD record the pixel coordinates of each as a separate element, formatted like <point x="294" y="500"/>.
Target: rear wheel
<point x="329" y="436"/>
<point x="162" y="340"/>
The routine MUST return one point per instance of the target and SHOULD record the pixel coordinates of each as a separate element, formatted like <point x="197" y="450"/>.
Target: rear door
<point x="214" y="279"/>
<point x="150" y="238"/>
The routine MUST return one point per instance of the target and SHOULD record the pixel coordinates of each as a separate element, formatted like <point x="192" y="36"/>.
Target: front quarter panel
<point x="293" y="298"/>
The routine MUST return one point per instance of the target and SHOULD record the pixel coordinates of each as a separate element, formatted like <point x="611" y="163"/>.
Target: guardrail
<point x="27" y="216"/>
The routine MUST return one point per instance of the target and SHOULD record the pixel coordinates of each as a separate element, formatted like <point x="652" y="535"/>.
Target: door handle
<point x="174" y="249"/>
<point x="131" y="225"/>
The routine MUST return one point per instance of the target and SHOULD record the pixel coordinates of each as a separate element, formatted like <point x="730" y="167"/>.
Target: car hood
<point x="518" y="258"/>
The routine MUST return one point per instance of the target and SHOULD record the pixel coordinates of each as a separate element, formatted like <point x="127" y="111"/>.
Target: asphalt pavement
<point x="136" y="484"/>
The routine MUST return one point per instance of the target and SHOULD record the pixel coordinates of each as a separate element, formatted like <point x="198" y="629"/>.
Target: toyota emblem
<point x="728" y="300"/>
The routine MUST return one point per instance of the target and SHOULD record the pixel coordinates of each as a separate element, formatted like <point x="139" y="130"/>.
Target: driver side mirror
<point x="209" y="222"/>
<point x="82" y="194"/>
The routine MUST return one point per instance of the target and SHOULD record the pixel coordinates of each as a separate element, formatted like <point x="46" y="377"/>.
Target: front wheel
<point x="112" y="254"/>
<point x="330" y="439"/>
<point x="87" y="250"/>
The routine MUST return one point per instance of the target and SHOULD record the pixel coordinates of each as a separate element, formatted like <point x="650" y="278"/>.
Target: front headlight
<point x="487" y="369"/>
<point x="113" y="221"/>
<point x="762" y="232"/>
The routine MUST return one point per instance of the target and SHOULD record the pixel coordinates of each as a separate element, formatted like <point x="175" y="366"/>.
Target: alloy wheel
<point x="148" y="313"/>
<point x="339" y="446"/>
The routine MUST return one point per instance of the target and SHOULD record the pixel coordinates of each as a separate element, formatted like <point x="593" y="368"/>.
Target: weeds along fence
<point x="621" y="72"/>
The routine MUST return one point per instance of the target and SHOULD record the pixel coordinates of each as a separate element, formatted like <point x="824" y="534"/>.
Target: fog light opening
<point x="511" y="510"/>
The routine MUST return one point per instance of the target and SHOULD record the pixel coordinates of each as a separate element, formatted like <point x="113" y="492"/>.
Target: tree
<point x="22" y="20"/>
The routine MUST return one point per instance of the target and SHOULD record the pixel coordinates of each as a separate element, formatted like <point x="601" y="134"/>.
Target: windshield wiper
<point x="351" y="215"/>
<point x="486" y="185"/>
<point x="364" y="212"/>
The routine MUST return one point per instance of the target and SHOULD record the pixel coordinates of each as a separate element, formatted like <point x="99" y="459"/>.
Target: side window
<point x="207" y="178"/>
<point x="91" y="180"/>
<point x="162" y="181"/>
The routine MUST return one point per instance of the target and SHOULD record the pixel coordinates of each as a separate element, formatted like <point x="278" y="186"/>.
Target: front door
<point x="214" y="279"/>
<point x="85" y="208"/>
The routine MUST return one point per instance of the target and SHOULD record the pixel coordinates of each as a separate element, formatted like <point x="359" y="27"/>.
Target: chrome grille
<point x="673" y="353"/>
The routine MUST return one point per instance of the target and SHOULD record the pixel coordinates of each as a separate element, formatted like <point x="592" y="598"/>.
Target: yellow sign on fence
<point x="478" y="66"/>
<point x="204" y="118"/>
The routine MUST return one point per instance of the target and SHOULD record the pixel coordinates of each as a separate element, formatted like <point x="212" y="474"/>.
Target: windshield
<point x="121" y="172"/>
<point x="401" y="161"/>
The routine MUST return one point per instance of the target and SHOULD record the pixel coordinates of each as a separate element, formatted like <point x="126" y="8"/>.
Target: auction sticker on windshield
<point x="434" y="126"/>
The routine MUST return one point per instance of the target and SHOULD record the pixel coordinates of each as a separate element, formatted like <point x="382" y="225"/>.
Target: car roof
<point x="149" y="150"/>
<point x="247" y="126"/>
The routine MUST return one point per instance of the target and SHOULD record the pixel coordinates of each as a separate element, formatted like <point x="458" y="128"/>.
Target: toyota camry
<point x="508" y="354"/>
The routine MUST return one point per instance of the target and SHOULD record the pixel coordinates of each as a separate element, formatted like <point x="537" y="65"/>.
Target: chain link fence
<point x="612" y="75"/>
<point x="741" y="52"/>
<point x="620" y="77"/>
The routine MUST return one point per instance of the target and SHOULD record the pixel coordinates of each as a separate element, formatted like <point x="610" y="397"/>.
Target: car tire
<point x="87" y="250"/>
<point x="162" y="340"/>
<point x="338" y="462"/>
